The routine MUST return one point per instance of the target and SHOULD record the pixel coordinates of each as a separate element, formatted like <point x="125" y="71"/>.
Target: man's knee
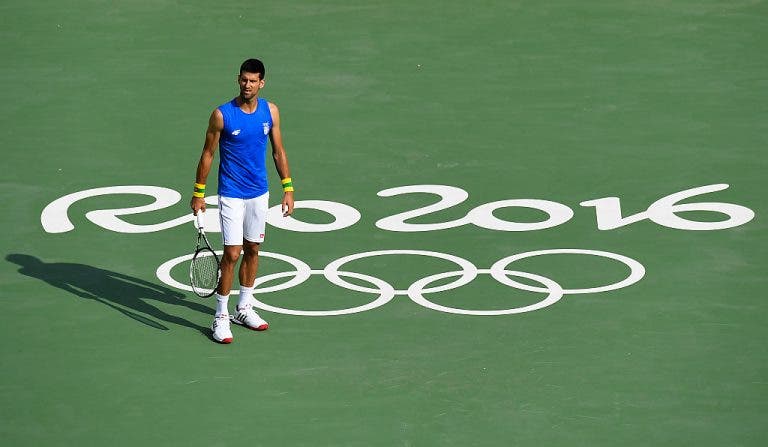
<point x="251" y="248"/>
<point x="231" y="255"/>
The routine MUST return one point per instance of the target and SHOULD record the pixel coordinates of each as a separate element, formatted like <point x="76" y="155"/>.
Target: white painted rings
<point x="416" y="291"/>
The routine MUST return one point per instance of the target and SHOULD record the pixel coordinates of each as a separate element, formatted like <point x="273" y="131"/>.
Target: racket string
<point x="205" y="271"/>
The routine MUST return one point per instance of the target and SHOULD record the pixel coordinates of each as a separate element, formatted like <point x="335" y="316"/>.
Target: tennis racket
<point x="205" y="270"/>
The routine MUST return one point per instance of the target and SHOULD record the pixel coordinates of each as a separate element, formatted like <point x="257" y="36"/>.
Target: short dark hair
<point x="253" y="66"/>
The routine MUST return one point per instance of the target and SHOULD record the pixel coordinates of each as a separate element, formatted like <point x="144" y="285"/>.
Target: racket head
<point x="204" y="272"/>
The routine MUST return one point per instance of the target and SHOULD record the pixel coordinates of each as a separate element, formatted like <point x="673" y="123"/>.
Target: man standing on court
<point x="240" y="128"/>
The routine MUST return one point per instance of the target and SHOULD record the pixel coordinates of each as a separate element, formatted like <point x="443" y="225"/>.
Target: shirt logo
<point x="236" y="132"/>
<point x="266" y="128"/>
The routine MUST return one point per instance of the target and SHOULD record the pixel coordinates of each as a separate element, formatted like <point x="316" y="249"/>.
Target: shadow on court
<point x="126" y="294"/>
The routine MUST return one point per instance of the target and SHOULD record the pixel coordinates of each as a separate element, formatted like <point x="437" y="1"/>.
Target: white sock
<point x="246" y="297"/>
<point x="221" y="304"/>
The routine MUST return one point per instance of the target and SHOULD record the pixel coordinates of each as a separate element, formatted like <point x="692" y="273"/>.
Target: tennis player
<point x="240" y="128"/>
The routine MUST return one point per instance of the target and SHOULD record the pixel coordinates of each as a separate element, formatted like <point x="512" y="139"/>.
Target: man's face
<point x="250" y="84"/>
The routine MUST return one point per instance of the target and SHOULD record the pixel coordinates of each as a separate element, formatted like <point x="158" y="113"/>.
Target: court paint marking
<point x="664" y="212"/>
<point x="55" y="219"/>
<point x="386" y="292"/>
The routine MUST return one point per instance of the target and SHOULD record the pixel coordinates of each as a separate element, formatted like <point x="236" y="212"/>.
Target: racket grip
<point x="199" y="219"/>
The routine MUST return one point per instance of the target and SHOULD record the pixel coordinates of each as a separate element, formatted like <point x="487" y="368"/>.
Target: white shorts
<point x="243" y="219"/>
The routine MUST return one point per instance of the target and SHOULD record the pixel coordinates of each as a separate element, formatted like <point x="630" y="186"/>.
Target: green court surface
<point x="502" y="117"/>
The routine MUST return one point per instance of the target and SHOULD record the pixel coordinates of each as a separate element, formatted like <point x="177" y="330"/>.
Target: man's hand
<point x="287" y="203"/>
<point x="198" y="203"/>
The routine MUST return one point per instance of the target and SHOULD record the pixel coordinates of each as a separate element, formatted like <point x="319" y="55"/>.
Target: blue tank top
<point x="243" y="148"/>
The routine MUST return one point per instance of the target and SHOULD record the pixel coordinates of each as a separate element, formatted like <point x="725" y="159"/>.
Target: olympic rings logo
<point x="416" y="291"/>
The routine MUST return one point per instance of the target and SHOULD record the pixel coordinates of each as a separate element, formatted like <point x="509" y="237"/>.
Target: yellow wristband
<point x="287" y="184"/>
<point x="199" y="190"/>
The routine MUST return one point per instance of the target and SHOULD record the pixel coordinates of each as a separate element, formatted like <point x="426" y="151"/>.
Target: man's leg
<point x="250" y="265"/>
<point x="231" y="212"/>
<point x="228" y="262"/>
<point x="254" y="224"/>
<point x="245" y="314"/>
<point x="220" y="327"/>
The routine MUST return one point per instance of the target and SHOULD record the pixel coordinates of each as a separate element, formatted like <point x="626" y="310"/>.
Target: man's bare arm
<point x="212" y="134"/>
<point x="280" y="157"/>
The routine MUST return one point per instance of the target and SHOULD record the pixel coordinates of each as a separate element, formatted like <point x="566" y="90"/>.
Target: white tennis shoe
<point x="249" y="318"/>
<point x="220" y="328"/>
